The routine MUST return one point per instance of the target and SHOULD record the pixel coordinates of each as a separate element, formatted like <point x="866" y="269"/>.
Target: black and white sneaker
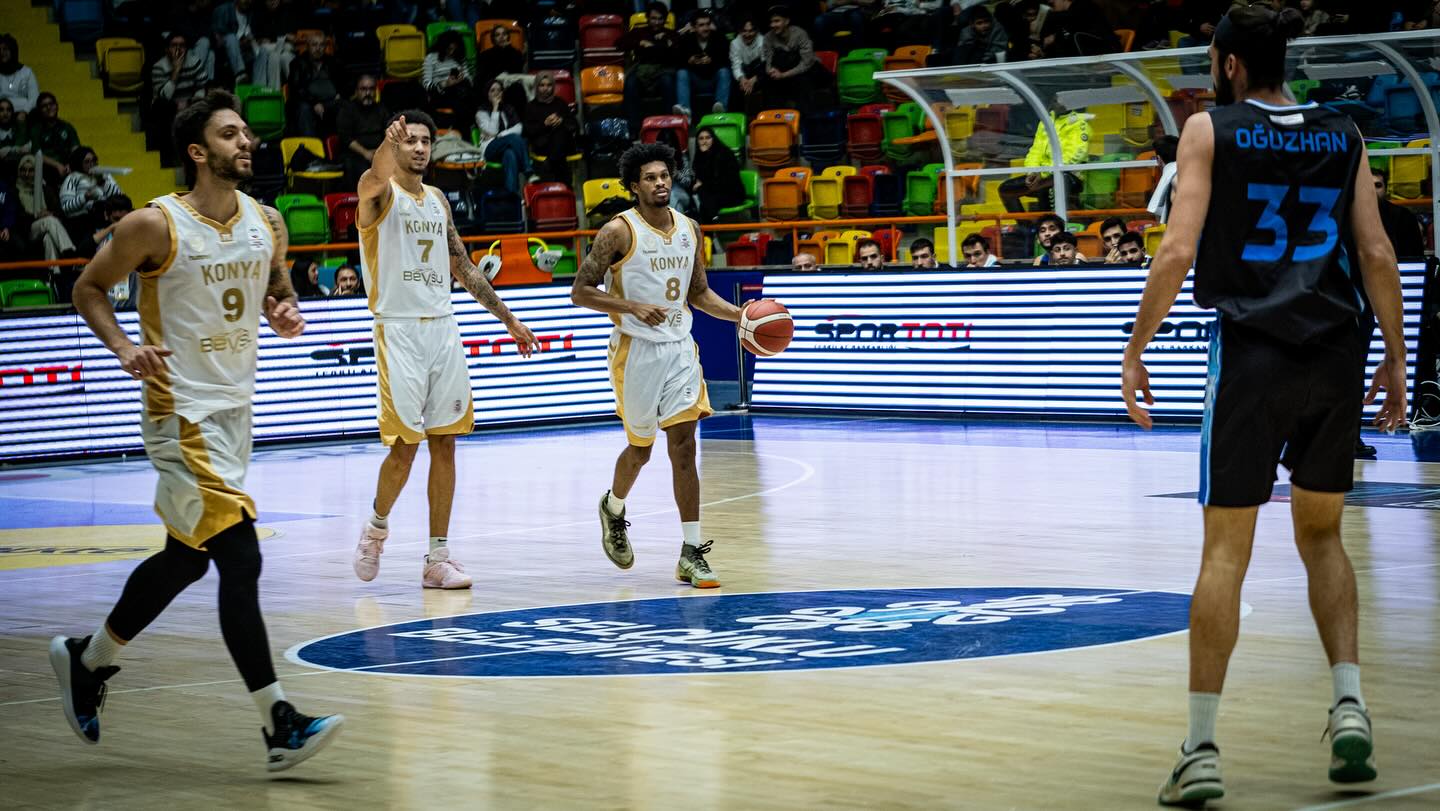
<point x="297" y="737"/>
<point x="615" y="536"/>
<point x="1352" y="744"/>
<point x="1195" y="778"/>
<point x="82" y="691"/>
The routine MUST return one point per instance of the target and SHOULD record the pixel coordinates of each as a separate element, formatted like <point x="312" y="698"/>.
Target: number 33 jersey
<point x="204" y="304"/>
<point x="405" y="256"/>
<point x="657" y="270"/>
<point x="1276" y="253"/>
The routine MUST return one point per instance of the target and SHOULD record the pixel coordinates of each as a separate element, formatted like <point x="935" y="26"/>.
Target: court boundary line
<point x="1373" y="798"/>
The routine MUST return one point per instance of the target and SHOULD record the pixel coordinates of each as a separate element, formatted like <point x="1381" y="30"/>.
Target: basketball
<point x="765" y="327"/>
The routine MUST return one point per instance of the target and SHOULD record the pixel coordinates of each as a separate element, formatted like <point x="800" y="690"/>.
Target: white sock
<point x="266" y="698"/>
<point x="1203" y="709"/>
<point x="437" y="543"/>
<point x="691" y="531"/>
<point x="615" y="506"/>
<point x="378" y="521"/>
<point x="1346" y="678"/>
<point x="103" y="649"/>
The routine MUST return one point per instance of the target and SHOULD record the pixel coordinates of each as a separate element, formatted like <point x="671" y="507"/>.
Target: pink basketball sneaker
<point x="443" y="573"/>
<point x="367" y="553"/>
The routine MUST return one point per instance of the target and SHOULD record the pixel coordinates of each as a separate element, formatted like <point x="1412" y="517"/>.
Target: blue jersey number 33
<point x="1274" y="197"/>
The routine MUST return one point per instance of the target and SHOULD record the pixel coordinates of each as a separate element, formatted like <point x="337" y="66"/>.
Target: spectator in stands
<point x="273" y="26"/>
<point x="747" y="66"/>
<point x="315" y="83"/>
<point x="17" y="81"/>
<point x="52" y="136"/>
<point x="1199" y="18"/>
<point x="13" y="244"/>
<point x="192" y="20"/>
<point x="305" y="278"/>
<point x="976" y="250"/>
<point x="844" y="15"/>
<point x="651" y="51"/>
<point x="347" y="282"/>
<point x="804" y="263"/>
<point x="360" y="124"/>
<point x="110" y="213"/>
<point x="704" y="64"/>
<point x="1045" y="230"/>
<point x="922" y="254"/>
<point x="176" y="78"/>
<point x="900" y="22"/>
<point x="982" y="42"/>
<point x="1023" y="20"/>
<point x="1315" y="17"/>
<point x="1401" y="226"/>
<point x="1159" y="205"/>
<point x="447" y="78"/>
<point x="500" y="135"/>
<point x="550" y="128"/>
<point x="230" y="25"/>
<point x="41" y="222"/>
<point x="1074" y="131"/>
<point x="83" y="194"/>
<point x="1130" y="251"/>
<point x="1063" y="249"/>
<point x="717" y="175"/>
<point x="868" y="255"/>
<point x="1110" y="232"/>
<point x="1077" y="28"/>
<point x="14" y="140"/>
<point x="789" y="60"/>
<point x="501" y="60"/>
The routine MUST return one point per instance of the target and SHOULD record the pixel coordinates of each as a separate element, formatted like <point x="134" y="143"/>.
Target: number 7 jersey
<point x="1276" y="252"/>
<point x="405" y="256"/>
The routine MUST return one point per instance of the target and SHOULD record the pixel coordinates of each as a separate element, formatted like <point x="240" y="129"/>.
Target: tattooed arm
<point x="701" y="297"/>
<point x="280" y="308"/>
<point x="608" y="247"/>
<point x="474" y="281"/>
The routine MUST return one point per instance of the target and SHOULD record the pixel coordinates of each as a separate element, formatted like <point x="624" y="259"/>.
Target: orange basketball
<point x="765" y="327"/>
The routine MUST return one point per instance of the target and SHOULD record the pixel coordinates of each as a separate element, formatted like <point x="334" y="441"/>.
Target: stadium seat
<point x="639" y="18"/>
<point x="828" y="60"/>
<point x="749" y="208"/>
<point x="822" y="137"/>
<point x="886" y="195"/>
<point x="815" y="243"/>
<point x="341" y="207"/>
<point x="316" y="147"/>
<point x="598" y="190"/>
<point x="552" y="42"/>
<point x="1153" y="238"/>
<point x="1301" y="88"/>
<point x="889" y="239"/>
<point x="435" y="29"/>
<point x="305" y="218"/>
<point x="598" y="36"/>
<point x="865" y="136"/>
<point x="502" y="212"/>
<point x="404" y="54"/>
<point x="1409" y="173"/>
<point x="772" y="137"/>
<point x="907" y="57"/>
<point x="941" y="237"/>
<point x="965" y="189"/>
<point x="551" y="206"/>
<point x="652" y="126"/>
<point x="602" y="84"/>
<point x="25" y="293"/>
<point x="782" y="197"/>
<point x="465" y="212"/>
<point x="840" y="250"/>
<point x="729" y="128"/>
<point x="748" y="250"/>
<point x="920" y="189"/>
<point x="855" y="75"/>
<point x="857" y="191"/>
<point x="484" y="30"/>
<point x="825" y="192"/>
<point x="80" y="20"/>
<point x="264" y="111"/>
<point x="1137" y="183"/>
<point x="122" y="64"/>
<point x="1126" y="37"/>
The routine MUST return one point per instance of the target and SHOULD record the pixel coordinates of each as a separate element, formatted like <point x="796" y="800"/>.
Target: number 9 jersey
<point x="1276" y="254"/>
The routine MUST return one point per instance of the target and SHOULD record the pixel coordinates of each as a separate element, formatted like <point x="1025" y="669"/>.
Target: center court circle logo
<point x="747" y="633"/>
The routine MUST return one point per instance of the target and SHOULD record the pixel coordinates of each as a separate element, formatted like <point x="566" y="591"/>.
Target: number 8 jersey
<point x="405" y="256"/>
<point x="1276" y="250"/>
<point x="657" y="271"/>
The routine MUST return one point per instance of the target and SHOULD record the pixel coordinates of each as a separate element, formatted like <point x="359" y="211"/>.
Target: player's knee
<point x="682" y="449"/>
<point x="638" y="454"/>
<point x="184" y="565"/>
<point x="441" y="444"/>
<point x="403" y="454"/>
<point x="237" y="554"/>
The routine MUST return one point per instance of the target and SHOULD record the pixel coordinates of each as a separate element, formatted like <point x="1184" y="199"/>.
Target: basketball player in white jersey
<point x="210" y="263"/>
<point x="651" y="262"/>
<point x="409" y="250"/>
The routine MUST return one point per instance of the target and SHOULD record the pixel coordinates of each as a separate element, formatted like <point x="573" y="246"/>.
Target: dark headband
<point x="1231" y="39"/>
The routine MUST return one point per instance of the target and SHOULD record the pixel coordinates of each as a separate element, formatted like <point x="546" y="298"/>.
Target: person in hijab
<point x="40" y="222"/>
<point x="17" y="81"/>
<point x="717" y="175"/>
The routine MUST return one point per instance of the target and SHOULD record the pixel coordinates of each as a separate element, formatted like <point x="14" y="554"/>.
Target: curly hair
<point x="641" y="154"/>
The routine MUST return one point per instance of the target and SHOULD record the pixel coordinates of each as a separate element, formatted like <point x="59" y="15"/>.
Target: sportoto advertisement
<point x="61" y="392"/>
<point x="998" y="340"/>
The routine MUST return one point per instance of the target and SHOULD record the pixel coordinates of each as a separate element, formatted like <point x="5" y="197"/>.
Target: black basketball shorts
<point x="1268" y="403"/>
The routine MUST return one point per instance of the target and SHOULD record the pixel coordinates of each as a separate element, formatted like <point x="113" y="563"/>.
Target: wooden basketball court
<point x="795" y="506"/>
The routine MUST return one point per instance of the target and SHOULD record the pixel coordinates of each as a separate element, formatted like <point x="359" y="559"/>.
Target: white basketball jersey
<point x="204" y="305"/>
<point x="405" y="257"/>
<point x="657" y="270"/>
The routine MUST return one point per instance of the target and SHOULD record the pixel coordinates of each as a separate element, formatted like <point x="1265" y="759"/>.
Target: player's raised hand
<point x="284" y="317"/>
<point x="1389" y="376"/>
<point x="525" y="341"/>
<point x="396" y="133"/>
<point x="652" y="314"/>
<point x="145" y="361"/>
<point x="1135" y="379"/>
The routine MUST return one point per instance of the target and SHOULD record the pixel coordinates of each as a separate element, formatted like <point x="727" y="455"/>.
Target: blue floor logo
<point x="746" y="633"/>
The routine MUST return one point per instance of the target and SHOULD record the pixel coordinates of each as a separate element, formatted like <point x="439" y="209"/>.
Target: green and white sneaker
<point x="614" y="536"/>
<point x="694" y="569"/>
<point x="1195" y="778"/>
<point x="1352" y="747"/>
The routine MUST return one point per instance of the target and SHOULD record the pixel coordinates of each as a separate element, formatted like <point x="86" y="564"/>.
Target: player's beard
<point x="1224" y="90"/>
<point x="228" y="169"/>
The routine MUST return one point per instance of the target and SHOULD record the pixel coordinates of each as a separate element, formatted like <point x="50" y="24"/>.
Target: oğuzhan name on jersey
<point x="657" y="271"/>
<point x="405" y="258"/>
<point x="204" y="305"/>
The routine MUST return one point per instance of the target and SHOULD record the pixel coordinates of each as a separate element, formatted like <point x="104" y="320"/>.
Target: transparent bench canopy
<point x="988" y="114"/>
